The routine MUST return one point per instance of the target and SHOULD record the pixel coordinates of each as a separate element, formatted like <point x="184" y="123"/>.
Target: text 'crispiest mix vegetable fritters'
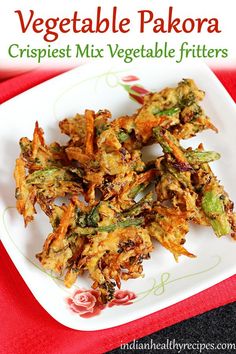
<point x="104" y="228"/>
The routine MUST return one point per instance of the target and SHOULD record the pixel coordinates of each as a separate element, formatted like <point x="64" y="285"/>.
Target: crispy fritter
<point x="169" y="226"/>
<point x="176" y="109"/>
<point x="25" y="194"/>
<point x="117" y="204"/>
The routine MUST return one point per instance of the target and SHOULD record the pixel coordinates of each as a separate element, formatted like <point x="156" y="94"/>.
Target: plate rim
<point x="223" y="275"/>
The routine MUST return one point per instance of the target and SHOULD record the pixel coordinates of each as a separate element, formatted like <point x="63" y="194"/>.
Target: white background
<point x="10" y="30"/>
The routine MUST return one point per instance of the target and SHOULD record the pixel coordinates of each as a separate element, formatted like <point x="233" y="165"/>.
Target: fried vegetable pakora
<point x="111" y="219"/>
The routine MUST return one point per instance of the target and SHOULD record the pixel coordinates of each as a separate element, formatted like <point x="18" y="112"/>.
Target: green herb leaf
<point x="166" y="112"/>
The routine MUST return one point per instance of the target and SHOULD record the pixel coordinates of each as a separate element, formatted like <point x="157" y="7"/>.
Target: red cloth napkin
<point x="27" y="328"/>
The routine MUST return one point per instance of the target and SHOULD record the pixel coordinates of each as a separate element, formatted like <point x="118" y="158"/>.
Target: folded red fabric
<point x="23" y="82"/>
<point x="25" y="325"/>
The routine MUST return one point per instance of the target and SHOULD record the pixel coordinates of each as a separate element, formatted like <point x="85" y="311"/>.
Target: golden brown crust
<point x="110" y="218"/>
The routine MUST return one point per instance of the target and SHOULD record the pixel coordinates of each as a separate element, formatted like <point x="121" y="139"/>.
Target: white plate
<point x="97" y="86"/>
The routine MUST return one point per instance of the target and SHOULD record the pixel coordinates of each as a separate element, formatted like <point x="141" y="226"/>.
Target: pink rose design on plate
<point x="122" y="297"/>
<point x="136" y="92"/>
<point x="86" y="303"/>
<point x="130" y="78"/>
